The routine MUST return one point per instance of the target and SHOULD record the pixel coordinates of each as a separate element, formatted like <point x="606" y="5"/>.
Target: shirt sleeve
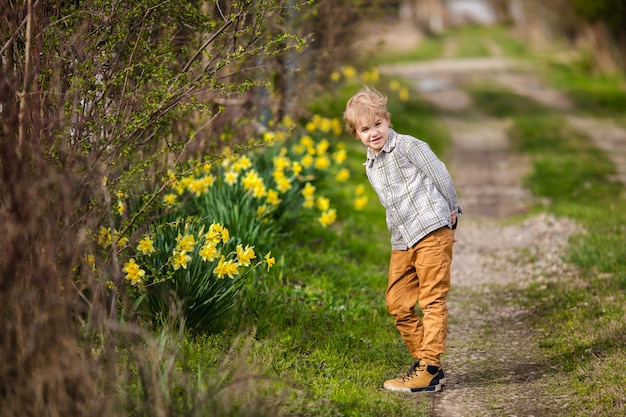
<point x="419" y="153"/>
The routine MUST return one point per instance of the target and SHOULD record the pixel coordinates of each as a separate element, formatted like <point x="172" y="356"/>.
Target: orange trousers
<point x="421" y="275"/>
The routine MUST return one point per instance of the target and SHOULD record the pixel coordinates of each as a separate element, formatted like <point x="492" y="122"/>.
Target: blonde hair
<point x="366" y="103"/>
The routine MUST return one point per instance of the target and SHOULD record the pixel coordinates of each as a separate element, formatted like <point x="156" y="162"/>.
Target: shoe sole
<point x="430" y="388"/>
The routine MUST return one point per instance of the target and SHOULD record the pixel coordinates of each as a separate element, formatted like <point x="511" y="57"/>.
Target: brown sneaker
<point x="420" y="378"/>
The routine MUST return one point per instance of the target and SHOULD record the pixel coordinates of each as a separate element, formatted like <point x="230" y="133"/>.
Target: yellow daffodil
<point x="91" y="261"/>
<point x="328" y="217"/>
<point x="340" y="156"/>
<point x="230" y="177"/>
<point x="185" y="243"/>
<point x="269" y="260"/>
<point x="322" y="163"/>
<point x="322" y="147"/>
<point x="121" y="242"/>
<point x="104" y="237"/>
<point x="180" y="259"/>
<point x="349" y="71"/>
<point x="307" y="141"/>
<point x="343" y="175"/>
<point x="309" y="202"/>
<point x="360" y="202"/>
<point x="245" y="255"/>
<point x="307" y="161"/>
<point x="146" y="246"/>
<point x="283" y="185"/>
<point x="272" y="198"/>
<point x="169" y="199"/>
<point x="322" y="203"/>
<point x="403" y="94"/>
<point x="209" y="252"/>
<point x="308" y="190"/>
<point x="296" y="167"/>
<point x="225" y="267"/>
<point x="133" y="272"/>
<point x="360" y="189"/>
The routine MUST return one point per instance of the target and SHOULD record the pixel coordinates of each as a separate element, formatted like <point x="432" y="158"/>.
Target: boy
<point x="421" y="208"/>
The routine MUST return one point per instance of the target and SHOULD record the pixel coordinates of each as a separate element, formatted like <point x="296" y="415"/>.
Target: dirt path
<point x="494" y="365"/>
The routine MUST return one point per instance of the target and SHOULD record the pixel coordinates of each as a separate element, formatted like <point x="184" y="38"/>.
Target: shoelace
<point x="415" y="370"/>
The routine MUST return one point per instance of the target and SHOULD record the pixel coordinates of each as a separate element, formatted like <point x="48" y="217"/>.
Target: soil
<point x="494" y="364"/>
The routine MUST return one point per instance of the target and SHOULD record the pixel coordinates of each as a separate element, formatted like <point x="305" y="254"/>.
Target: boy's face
<point x="373" y="133"/>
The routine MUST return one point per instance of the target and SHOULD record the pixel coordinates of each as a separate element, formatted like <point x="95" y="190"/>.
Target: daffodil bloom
<point x="225" y="235"/>
<point x="343" y="175"/>
<point x="307" y="141"/>
<point x="403" y="94"/>
<point x="91" y="261"/>
<point x="308" y="190"/>
<point x="337" y="128"/>
<point x="394" y="85"/>
<point x="214" y="233"/>
<point x="269" y="260"/>
<point x="322" y="163"/>
<point x="133" y="272"/>
<point x="251" y="180"/>
<point x="200" y="186"/>
<point x="169" y="199"/>
<point x="146" y="246"/>
<point x="281" y="162"/>
<point x="259" y="191"/>
<point x="349" y="71"/>
<point x="360" y="202"/>
<point x="260" y="212"/>
<point x="360" y="189"/>
<point x="269" y="137"/>
<point x="322" y="203"/>
<point x="340" y="156"/>
<point x="245" y="255"/>
<point x="217" y="233"/>
<point x="225" y="267"/>
<point x="230" y="177"/>
<point x="180" y="259"/>
<point x="243" y="162"/>
<point x="209" y="252"/>
<point x="296" y="167"/>
<point x="104" y="237"/>
<point x="272" y="198"/>
<point x="309" y="202"/>
<point x="335" y="76"/>
<point x="328" y="217"/>
<point x="307" y="161"/>
<point x="283" y="185"/>
<point x="121" y="242"/>
<point x="185" y="243"/>
<point x="278" y="174"/>
<point x="322" y="147"/>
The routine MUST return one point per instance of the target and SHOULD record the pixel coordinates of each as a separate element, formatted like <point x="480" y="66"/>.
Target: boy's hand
<point x="453" y="216"/>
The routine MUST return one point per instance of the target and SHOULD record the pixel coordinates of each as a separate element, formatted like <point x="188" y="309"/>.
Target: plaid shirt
<point x="414" y="186"/>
